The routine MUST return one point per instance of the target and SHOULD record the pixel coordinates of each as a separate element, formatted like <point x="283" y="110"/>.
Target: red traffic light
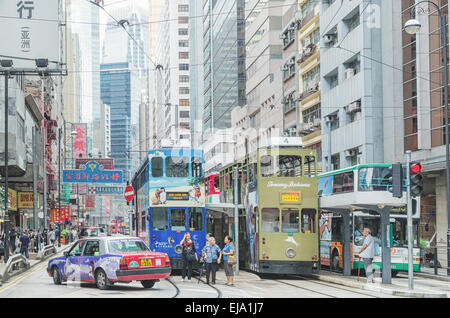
<point x="416" y="168"/>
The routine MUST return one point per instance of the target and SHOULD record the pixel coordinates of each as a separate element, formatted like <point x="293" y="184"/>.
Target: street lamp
<point x="413" y="26"/>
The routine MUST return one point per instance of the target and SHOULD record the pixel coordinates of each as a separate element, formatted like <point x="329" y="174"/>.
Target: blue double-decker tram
<point x="170" y="200"/>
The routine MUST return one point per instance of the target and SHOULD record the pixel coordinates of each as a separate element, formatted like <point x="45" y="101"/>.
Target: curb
<point x="382" y="290"/>
<point x="432" y="276"/>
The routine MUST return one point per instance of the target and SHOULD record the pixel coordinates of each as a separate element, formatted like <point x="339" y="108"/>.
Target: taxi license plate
<point x="158" y="262"/>
<point x="146" y="262"/>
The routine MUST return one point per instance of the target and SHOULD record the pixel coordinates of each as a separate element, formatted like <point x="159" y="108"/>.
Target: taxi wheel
<point x="56" y="276"/>
<point x="148" y="283"/>
<point x="101" y="280"/>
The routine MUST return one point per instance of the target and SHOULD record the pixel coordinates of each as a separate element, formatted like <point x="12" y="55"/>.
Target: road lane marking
<point x="21" y="278"/>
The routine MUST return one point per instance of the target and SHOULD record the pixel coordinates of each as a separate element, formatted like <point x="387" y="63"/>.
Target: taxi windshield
<point x="119" y="246"/>
<point x="91" y="232"/>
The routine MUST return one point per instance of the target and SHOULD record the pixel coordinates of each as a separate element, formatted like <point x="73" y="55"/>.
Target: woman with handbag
<point x="189" y="256"/>
<point x="228" y="260"/>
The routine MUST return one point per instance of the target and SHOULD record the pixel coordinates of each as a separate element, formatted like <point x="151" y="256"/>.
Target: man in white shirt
<point x="367" y="254"/>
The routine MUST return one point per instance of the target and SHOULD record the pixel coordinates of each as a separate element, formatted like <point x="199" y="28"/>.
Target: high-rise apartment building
<point x="262" y="117"/>
<point x="172" y="113"/>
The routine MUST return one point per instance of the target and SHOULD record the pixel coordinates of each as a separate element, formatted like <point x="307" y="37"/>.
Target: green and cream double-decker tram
<point x="278" y="221"/>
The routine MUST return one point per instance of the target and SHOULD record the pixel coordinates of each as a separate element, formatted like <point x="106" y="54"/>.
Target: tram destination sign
<point x="290" y="197"/>
<point x="93" y="173"/>
<point x="178" y="196"/>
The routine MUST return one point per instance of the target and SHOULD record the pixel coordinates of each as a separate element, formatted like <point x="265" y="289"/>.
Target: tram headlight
<point x="290" y="252"/>
<point x="178" y="249"/>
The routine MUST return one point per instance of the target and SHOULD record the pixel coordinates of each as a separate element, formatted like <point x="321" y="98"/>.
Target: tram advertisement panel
<point x="176" y="178"/>
<point x="251" y="202"/>
<point x="326" y="185"/>
<point x="325" y="238"/>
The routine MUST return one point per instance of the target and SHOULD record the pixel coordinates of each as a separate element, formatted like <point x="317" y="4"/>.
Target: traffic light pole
<point x="409" y="222"/>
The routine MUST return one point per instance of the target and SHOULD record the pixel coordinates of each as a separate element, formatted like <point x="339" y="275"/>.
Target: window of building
<point x="353" y="66"/>
<point x="184" y="90"/>
<point x="183" y="20"/>
<point x="184" y="114"/>
<point x="177" y="219"/>
<point x="184" y="102"/>
<point x="312" y="114"/>
<point x="289" y="166"/>
<point x="183" y="32"/>
<point x="195" y="219"/>
<point x="311" y="79"/>
<point x="266" y="166"/>
<point x="183" y="8"/>
<point x="160" y="218"/>
<point x="183" y="55"/>
<point x="308" y="221"/>
<point x="184" y="67"/>
<point x="177" y="167"/>
<point x="353" y="20"/>
<point x="183" y="43"/>
<point x="270" y="220"/>
<point x="184" y="78"/>
<point x="157" y="167"/>
<point x="290" y="221"/>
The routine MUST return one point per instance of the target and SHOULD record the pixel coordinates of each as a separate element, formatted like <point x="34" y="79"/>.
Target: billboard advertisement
<point x="177" y="187"/>
<point x="31" y="30"/>
<point x="12" y="196"/>
<point x="93" y="173"/>
<point x="66" y="212"/>
<point x="25" y="200"/>
<point x="106" y="163"/>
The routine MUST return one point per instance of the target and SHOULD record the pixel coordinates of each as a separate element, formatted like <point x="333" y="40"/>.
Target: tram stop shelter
<point x="344" y="204"/>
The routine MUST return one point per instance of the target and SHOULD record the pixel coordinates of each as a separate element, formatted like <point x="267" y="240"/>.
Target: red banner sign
<point x="66" y="212"/>
<point x="89" y="202"/>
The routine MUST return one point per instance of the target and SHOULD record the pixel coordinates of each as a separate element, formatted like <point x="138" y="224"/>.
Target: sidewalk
<point x="33" y="261"/>
<point x="399" y="286"/>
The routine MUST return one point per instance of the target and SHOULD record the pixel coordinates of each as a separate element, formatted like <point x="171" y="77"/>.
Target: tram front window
<point x="289" y="166"/>
<point x="195" y="219"/>
<point x="270" y="220"/>
<point x="177" y="219"/>
<point x="308" y="221"/>
<point x="196" y="167"/>
<point x="157" y="167"/>
<point x="266" y="166"/>
<point x="160" y="218"/>
<point x="177" y="167"/>
<point x="290" y="219"/>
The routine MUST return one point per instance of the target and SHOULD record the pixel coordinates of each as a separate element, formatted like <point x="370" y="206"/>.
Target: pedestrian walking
<point x="58" y="236"/>
<point x="24" y="244"/>
<point x="12" y="241"/>
<point x="74" y="235"/>
<point x="227" y="253"/>
<point x="212" y="253"/>
<point x="189" y="256"/>
<point x="52" y="237"/>
<point x="367" y="254"/>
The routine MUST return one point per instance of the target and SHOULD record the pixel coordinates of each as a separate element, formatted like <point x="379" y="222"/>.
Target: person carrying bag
<point x="189" y="256"/>
<point x="229" y="259"/>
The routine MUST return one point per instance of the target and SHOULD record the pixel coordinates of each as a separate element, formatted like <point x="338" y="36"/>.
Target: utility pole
<point x="59" y="185"/>
<point x="35" y="195"/>
<point x="6" y="170"/>
<point x="236" y="218"/>
<point x="409" y="221"/>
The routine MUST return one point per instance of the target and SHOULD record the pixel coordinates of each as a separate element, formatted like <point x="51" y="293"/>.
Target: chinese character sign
<point x="66" y="212"/>
<point x="79" y="141"/>
<point x="12" y="196"/>
<point x="89" y="202"/>
<point x="25" y="200"/>
<point x="31" y="30"/>
<point x="93" y="173"/>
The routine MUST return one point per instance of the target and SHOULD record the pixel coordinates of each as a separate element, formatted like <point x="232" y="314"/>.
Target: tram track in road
<point x="331" y="285"/>
<point x="178" y="291"/>
<point x="304" y="288"/>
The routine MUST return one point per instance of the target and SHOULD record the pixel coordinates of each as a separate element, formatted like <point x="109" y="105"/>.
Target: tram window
<point x="289" y="166"/>
<point x="308" y="221"/>
<point x="207" y="186"/>
<point x="270" y="222"/>
<point x="343" y="182"/>
<point x="216" y="184"/>
<point x="400" y="233"/>
<point x="157" y="167"/>
<point x="290" y="219"/>
<point x="196" y="167"/>
<point x="195" y="219"/>
<point x="374" y="179"/>
<point x="177" y="167"/>
<point x="309" y="167"/>
<point x="160" y="218"/>
<point x="266" y="166"/>
<point x="178" y="219"/>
